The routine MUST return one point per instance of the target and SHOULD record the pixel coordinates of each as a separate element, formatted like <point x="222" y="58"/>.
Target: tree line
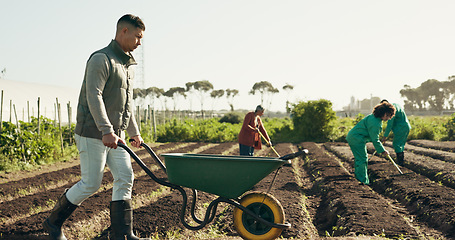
<point x="430" y="95"/>
<point x="203" y="90"/>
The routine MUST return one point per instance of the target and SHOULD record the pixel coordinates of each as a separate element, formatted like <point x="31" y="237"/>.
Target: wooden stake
<point x="138" y="118"/>
<point x="10" y="111"/>
<point x="28" y="111"/>
<point x="19" y="131"/>
<point x="39" y="119"/>
<point x="59" y="123"/>
<point x="69" y="122"/>
<point x="154" y="124"/>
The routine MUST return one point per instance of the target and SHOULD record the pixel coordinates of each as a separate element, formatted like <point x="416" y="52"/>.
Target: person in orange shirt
<point x="249" y="137"/>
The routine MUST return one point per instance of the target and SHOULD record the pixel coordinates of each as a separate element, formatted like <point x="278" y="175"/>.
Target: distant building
<point x="359" y="106"/>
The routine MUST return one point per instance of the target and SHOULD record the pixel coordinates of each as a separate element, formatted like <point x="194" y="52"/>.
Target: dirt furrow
<point x="319" y="194"/>
<point x="432" y="203"/>
<point x="347" y="207"/>
<point x="437" y="170"/>
<point x="31" y="186"/>
<point x="15" y="208"/>
<point x="47" y="180"/>
<point x="290" y="194"/>
<point x="28" y="223"/>
<point x="219" y="148"/>
<point x="445" y="146"/>
<point x="433" y="153"/>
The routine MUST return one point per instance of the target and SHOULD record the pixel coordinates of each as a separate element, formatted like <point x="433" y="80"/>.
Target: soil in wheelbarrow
<point x="319" y="194"/>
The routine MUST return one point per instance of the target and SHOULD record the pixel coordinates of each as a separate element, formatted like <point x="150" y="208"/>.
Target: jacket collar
<point x="126" y="58"/>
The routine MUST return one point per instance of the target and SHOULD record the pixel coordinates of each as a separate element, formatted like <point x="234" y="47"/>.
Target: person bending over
<point x="368" y="130"/>
<point x="400" y="127"/>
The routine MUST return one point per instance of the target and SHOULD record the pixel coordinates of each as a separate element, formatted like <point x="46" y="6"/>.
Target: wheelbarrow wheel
<point x="264" y="205"/>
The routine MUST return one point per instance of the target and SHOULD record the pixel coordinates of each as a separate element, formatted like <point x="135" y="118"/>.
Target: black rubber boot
<point x="122" y="221"/>
<point x="53" y="224"/>
<point x="400" y="158"/>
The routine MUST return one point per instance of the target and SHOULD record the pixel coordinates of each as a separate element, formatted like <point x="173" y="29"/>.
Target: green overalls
<point x="400" y="126"/>
<point x="367" y="130"/>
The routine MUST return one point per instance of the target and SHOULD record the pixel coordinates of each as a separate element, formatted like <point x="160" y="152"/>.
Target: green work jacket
<point x="367" y="130"/>
<point x="398" y="122"/>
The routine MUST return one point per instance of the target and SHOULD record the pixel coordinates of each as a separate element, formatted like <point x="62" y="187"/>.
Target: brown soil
<point x="319" y="194"/>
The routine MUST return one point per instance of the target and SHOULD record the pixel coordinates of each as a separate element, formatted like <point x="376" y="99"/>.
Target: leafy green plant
<point x="341" y="128"/>
<point x="313" y="120"/>
<point x="430" y="128"/>
<point x="450" y="126"/>
<point x="22" y="147"/>
<point x="173" y="131"/>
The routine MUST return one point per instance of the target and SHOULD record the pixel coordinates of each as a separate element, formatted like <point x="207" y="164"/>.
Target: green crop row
<point x="22" y="147"/>
<point x="440" y="128"/>
<point x="213" y="130"/>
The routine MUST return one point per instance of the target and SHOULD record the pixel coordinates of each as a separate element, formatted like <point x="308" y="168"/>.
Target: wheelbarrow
<point x="257" y="215"/>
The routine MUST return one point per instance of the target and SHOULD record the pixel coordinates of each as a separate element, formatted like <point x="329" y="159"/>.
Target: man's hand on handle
<point x="111" y="140"/>
<point x="137" y="141"/>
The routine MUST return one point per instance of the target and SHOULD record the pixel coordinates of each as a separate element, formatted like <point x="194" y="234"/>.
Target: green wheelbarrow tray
<point x="222" y="175"/>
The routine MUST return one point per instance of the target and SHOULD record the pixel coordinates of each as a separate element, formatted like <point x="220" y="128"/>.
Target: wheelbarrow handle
<point x="153" y="154"/>
<point x="145" y="168"/>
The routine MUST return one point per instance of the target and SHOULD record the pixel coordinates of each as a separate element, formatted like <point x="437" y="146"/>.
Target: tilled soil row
<point x="288" y="192"/>
<point x="94" y="206"/>
<point x="432" y="203"/>
<point x="437" y="165"/>
<point x="319" y="197"/>
<point x="445" y="146"/>
<point x="429" y="152"/>
<point x="348" y="208"/>
<point x="46" y="180"/>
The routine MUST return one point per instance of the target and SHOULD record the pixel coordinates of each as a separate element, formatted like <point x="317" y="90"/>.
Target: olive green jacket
<point x="106" y="98"/>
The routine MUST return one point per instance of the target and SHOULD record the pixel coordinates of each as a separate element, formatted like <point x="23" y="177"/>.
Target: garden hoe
<point x="269" y="143"/>
<point x="394" y="164"/>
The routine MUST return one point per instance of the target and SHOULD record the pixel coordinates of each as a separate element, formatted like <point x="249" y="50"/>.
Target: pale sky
<point x="326" y="49"/>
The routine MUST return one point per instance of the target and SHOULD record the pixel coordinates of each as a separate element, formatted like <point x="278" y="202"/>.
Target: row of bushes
<point x="309" y="121"/>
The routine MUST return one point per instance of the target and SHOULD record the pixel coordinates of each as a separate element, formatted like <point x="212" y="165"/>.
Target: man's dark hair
<point x="133" y="20"/>
<point x="384" y="108"/>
